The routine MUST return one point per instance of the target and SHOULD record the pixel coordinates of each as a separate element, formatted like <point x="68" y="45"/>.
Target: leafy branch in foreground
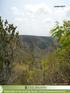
<point x="59" y="60"/>
<point x="8" y="44"/>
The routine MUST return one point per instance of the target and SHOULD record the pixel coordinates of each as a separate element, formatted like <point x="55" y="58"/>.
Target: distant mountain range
<point x="42" y="42"/>
<point x="38" y="43"/>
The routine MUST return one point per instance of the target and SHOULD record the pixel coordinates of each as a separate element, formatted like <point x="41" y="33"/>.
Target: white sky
<point x="34" y="17"/>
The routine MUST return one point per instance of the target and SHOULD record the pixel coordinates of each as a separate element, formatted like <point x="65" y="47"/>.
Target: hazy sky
<point x="34" y="17"/>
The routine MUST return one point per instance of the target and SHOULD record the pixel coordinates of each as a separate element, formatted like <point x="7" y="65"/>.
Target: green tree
<point x="61" y="33"/>
<point x="59" y="60"/>
<point x="8" y="43"/>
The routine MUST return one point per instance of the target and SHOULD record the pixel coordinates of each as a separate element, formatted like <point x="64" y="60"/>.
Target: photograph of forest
<point x="31" y="56"/>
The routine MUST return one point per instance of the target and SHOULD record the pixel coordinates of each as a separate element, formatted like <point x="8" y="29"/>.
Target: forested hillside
<point x="34" y="60"/>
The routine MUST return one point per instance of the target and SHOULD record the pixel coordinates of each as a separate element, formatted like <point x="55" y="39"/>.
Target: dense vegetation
<point x="59" y="60"/>
<point x="34" y="60"/>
